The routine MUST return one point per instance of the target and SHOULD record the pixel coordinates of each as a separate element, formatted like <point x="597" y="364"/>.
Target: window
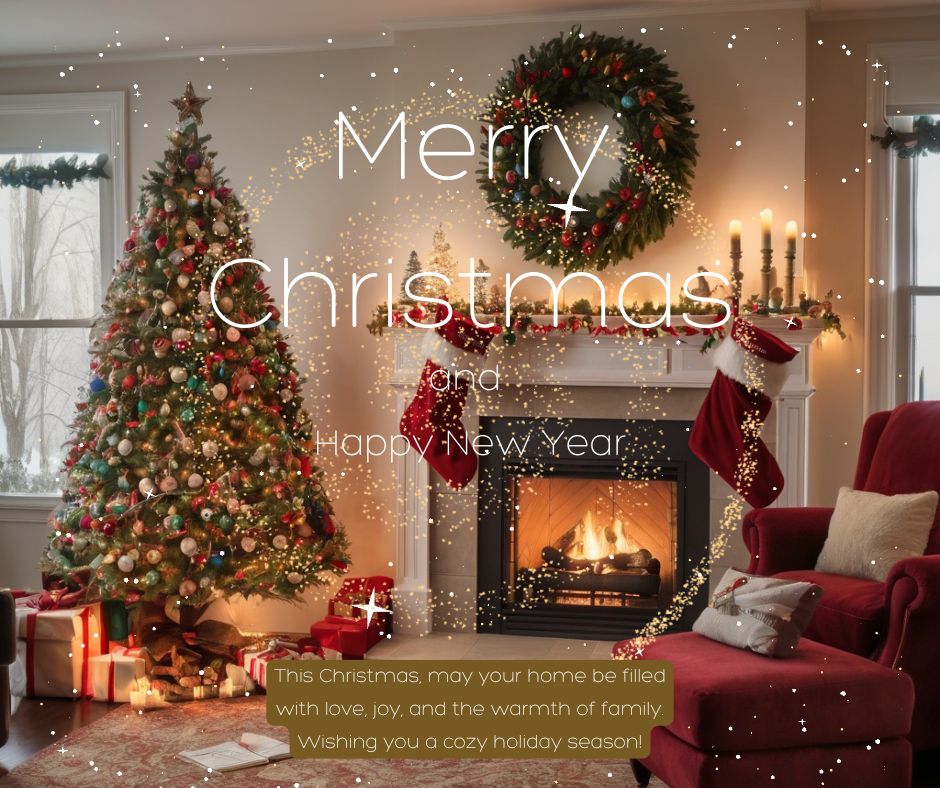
<point x="57" y="250"/>
<point x="924" y="293"/>
<point x="902" y="332"/>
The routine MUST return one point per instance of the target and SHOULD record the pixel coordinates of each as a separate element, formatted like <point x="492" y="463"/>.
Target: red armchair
<point x="897" y="622"/>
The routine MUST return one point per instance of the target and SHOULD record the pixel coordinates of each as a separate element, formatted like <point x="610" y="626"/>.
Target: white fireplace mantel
<point x="578" y="359"/>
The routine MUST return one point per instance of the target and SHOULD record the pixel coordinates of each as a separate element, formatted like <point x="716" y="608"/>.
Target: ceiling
<point x="32" y="29"/>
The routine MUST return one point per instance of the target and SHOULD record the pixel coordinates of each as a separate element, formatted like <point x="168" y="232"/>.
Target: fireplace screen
<point x="584" y="541"/>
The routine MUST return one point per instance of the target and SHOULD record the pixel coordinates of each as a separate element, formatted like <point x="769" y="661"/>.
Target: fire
<point x="596" y="541"/>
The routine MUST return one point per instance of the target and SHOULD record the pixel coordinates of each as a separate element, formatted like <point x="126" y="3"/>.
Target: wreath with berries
<point x="657" y="150"/>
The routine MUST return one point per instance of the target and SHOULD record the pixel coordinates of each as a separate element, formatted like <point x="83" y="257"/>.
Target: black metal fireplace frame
<point x="666" y="456"/>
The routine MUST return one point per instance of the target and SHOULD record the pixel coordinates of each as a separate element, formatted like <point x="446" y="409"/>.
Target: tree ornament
<point x="248" y="544"/>
<point x="125" y="446"/>
<point x="294" y="577"/>
<point x="280" y="542"/>
<point x="187" y="587"/>
<point x="154" y="556"/>
<point x="125" y="563"/>
<point x="188" y="546"/>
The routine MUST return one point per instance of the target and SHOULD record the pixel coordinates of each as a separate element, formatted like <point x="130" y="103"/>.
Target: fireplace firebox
<point x="586" y="526"/>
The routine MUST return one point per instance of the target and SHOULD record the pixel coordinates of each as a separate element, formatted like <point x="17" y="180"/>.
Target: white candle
<point x="766" y="224"/>
<point x="735" y="229"/>
<point x="791" y="236"/>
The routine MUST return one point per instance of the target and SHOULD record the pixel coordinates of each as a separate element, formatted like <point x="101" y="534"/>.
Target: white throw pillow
<point x="762" y="614"/>
<point x="869" y="532"/>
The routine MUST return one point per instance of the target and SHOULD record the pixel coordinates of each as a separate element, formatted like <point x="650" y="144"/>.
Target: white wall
<point x="263" y="106"/>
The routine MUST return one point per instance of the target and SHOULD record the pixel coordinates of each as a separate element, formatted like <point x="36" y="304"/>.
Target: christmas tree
<point x="412" y="267"/>
<point x="482" y="289"/>
<point x="190" y="472"/>
<point x="442" y="263"/>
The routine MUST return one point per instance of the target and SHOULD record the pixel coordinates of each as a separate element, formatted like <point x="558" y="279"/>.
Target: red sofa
<point x="896" y="623"/>
<point x="349" y="634"/>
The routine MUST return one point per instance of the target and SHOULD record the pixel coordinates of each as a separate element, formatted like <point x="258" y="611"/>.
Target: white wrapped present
<point x="53" y="649"/>
<point x="113" y="676"/>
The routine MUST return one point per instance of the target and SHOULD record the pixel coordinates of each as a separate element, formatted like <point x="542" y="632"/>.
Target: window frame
<point x="890" y="192"/>
<point x="110" y="108"/>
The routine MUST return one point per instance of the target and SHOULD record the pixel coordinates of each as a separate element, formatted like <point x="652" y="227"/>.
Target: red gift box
<point x="350" y="635"/>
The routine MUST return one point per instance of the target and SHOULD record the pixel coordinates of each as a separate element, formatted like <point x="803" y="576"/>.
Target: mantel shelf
<point x="579" y="359"/>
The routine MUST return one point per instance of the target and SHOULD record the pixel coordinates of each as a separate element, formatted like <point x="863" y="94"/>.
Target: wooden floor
<point x="39" y="723"/>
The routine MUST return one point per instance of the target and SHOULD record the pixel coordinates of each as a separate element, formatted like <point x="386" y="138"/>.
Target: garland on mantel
<point x="63" y="172"/>
<point x="923" y="140"/>
<point x="524" y="323"/>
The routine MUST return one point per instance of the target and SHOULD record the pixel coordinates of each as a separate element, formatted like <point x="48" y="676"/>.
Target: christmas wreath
<point x="656" y="136"/>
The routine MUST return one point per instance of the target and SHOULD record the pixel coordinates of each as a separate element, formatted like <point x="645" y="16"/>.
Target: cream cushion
<point x="869" y="532"/>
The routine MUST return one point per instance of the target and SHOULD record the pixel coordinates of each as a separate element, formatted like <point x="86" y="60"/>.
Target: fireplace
<point x="586" y="526"/>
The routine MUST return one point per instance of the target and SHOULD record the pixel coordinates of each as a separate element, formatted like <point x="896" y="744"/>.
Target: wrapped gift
<point x="114" y="675"/>
<point x="56" y="638"/>
<point x="256" y="662"/>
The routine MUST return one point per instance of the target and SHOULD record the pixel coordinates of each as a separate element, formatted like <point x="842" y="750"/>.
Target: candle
<point x="790" y="257"/>
<point x="766" y="223"/>
<point x="791" y="235"/>
<point x="735" y="229"/>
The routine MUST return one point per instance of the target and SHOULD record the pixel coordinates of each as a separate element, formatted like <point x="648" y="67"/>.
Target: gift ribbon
<point x="111" y="680"/>
<point x="262" y="659"/>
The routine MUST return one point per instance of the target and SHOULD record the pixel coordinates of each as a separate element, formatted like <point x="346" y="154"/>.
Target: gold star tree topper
<point x="189" y="105"/>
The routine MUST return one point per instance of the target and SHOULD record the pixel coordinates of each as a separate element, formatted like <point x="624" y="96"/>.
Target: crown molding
<point x="209" y="51"/>
<point x="388" y="31"/>
<point x="861" y="14"/>
<point x="647" y="11"/>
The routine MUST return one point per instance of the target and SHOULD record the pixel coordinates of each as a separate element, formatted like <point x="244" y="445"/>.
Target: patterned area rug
<point x="130" y="749"/>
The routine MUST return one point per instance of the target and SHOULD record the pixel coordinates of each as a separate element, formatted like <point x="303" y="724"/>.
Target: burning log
<point x="641" y="559"/>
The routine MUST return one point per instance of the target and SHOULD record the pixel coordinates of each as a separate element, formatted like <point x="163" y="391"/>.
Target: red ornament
<point x="505" y="139"/>
<point x="566" y="72"/>
<point x="161" y="243"/>
<point x="520" y="223"/>
<point x="626" y="193"/>
<point x="566" y="238"/>
<point x="328" y="527"/>
<point x="589" y="247"/>
<point x="129" y="382"/>
<point x="511" y="177"/>
<point x="534" y="98"/>
<point x="517" y="103"/>
<point x="657" y="132"/>
<point x="598" y="229"/>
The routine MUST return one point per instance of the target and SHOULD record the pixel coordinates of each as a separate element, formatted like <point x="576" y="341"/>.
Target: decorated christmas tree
<point x="190" y="474"/>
